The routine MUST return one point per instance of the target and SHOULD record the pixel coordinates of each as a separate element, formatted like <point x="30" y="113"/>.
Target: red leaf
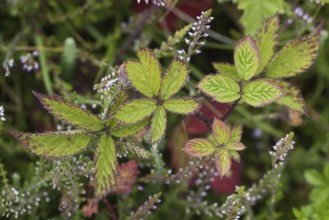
<point x="226" y="185"/>
<point x="195" y="126"/>
<point x="127" y="176"/>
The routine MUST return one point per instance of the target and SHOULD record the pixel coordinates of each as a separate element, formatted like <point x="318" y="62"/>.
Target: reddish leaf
<point x="226" y="185"/>
<point x="127" y="176"/>
<point x="196" y="126"/>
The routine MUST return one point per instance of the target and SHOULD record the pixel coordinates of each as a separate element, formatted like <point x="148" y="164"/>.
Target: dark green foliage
<point x="146" y="137"/>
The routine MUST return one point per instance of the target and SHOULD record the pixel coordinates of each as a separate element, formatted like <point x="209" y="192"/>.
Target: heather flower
<point x="2" y="113"/>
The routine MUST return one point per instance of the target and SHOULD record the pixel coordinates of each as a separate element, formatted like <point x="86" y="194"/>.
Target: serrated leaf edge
<point x="184" y="98"/>
<point x="211" y="75"/>
<point x="40" y="97"/>
<point x="18" y="136"/>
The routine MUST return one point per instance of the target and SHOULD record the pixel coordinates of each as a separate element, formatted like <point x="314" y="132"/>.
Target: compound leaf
<point x="296" y="57"/>
<point x="105" y="164"/>
<point x="261" y="92"/>
<point x="255" y="11"/>
<point x="234" y="155"/>
<point x="127" y="130"/>
<point x="227" y="70"/>
<point x="246" y="58"/>
<point x="53" y="144"/>
<point x="70" y="113"/>
<point x="174" y="79"/>
<point x="223" y="162"/>
<point x="236" y="134"/>
<point x="266" y="40"/>
<point x="158" y="124"/>
<point x="181" y="106"/>
<point x="145" y="74"/>
<point x="292" y="98"/>
<point x="136" y="110"/>
<point x="220" y="131"/>
<point x="220" y="87"/>
<point x="199" y="147"/>
<point x="236" y="146"/>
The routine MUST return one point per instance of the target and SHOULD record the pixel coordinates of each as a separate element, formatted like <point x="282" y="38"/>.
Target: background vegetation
<point x="68" y="47"/>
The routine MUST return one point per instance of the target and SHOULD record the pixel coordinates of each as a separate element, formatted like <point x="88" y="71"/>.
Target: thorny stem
<point x="142" y="22"/>
<point x="110" y="209"/>
<point x="203" y="118"/>
<point x="228" y="113"/>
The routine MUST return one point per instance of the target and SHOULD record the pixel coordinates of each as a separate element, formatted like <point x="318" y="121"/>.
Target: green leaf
<point x="136" y="110"/>
<point x="261" y="92"/>
<point x="105" y="164"/>
<point x="236" y="146"/>
<point x="314" y="178"/>
<point x="53" y="144"/>
<point x="145" y="74"/>
<point x="174" y="79"/>
<point x="236" y="134"/>
<point x="296" y="57"/>
<point x="181" y="106"/>
<point x="220" y="131"/>
<point x="234" y="155"/>
<point x="127" y="130"/>
<point x="227" y="70"/>
<point x="292" y="98"/>
<point x="117" y="103"/>
<point x="158" y="124"/>
<point x="199" y="147"/>
<point x="221" y="88"/>
<point x="246" y="58"/>
<point x="70" y="113"/>
<point x="266" y="40"/>
<point x="255" y="11"/>
<point x="223" y="162"/>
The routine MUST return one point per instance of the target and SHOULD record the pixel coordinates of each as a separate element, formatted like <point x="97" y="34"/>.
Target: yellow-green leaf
<point x="236" y="134"/>
<point x="158" y="124"/>
<point x="236" y="146"/>
<point x="181" y="106"/>
<point x="136" y="110"/>
<point x="127" y="130"/>
<point x="220" y="87"/>
<point x="266" y="40"/>
<point x="220" y="131"/>
<point x="246" y="58"/>
<point x="105" y="164"/>
<point x="199" y="147"/>
<point x="234" y="155"/>
<point x="145" y="74"/>
<point x="292" y="98"/>
<point x="227" y="70"/>
<point x="174" y="79"/>
<point x="223" y="162"/>
<point x="255" y="11"/>
<point x="296" y="57"/>
<point x="261" y="92"/>
<point x="70" y="113"/>
<point x="53" y="144"/>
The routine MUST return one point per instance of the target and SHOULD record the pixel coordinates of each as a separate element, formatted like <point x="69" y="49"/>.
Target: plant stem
<point x="158" y="163"/>
<point x="44" y="66"/>
<point x="110" y="209"/>
<point x="228" y="113"/>
<point x="142" y="22"/>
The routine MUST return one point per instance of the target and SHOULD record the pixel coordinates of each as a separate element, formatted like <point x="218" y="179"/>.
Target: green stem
<point x="158" y="163"/>
<point x="44" y="66"/>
